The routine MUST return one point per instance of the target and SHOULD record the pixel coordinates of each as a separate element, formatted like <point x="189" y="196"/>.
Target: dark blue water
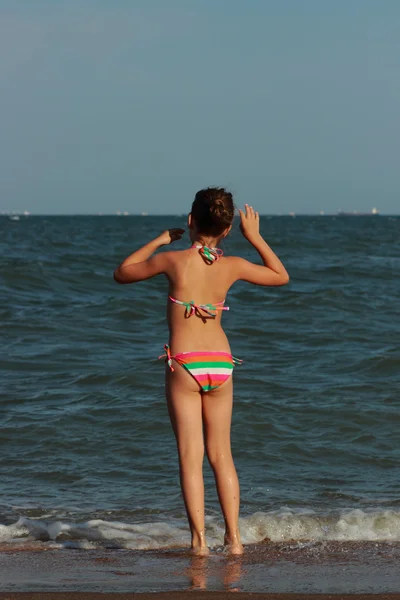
<point x="87" y="455"/>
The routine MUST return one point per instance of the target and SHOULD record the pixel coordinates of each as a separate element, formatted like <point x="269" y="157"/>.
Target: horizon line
<point x="134" y="214"/>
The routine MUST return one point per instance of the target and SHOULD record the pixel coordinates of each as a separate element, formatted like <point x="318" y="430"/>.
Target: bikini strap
<point x="193" y="308"/>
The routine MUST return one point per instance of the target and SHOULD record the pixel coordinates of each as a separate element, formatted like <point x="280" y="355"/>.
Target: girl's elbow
<point x="118" y="277"/>
<point x="282" y="279"/>
<point x="285" y="279"/>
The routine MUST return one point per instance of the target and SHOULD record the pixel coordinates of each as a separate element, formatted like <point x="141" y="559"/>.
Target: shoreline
<point x="190" y="595"/>
<point x="279" y="571"/>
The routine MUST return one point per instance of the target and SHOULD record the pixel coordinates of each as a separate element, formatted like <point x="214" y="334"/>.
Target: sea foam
<point x="261" y="527"/>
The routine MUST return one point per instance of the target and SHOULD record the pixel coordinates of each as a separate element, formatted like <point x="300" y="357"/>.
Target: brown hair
<point x="213" y="210"/>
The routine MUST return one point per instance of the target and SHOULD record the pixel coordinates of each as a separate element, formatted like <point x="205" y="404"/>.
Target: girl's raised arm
<point x="139" y="266"/>
<point x="273" y="273"/>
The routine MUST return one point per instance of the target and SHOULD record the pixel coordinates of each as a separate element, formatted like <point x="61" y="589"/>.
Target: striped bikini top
<point x="209" y="255"/>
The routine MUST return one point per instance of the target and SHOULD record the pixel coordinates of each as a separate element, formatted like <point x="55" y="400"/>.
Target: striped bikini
<point x="210" y="369"/>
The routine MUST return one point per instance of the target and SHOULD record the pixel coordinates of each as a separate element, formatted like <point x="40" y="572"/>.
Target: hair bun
<point x="213" y="211"/>
<point x="220" y="215"/>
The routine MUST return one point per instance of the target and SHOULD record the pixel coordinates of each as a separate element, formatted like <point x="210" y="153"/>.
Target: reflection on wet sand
<point x="197" y="573"/>
<point x="228" y="573"/>
<point x="232" y="574"/>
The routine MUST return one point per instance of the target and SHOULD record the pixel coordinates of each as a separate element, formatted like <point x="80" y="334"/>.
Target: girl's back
<point x="196" y="283"/>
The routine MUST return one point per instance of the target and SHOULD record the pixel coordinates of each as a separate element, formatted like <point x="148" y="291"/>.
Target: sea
<point x="87" y="455"/>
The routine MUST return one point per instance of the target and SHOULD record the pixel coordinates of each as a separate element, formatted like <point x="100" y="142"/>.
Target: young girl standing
<point x="199" y="361"/>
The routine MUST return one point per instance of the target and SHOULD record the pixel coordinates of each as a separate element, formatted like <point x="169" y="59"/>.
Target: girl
<point x="199" y="360"/>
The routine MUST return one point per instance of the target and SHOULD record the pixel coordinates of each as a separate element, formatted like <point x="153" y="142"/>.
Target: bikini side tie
<point x="168" y="359"/>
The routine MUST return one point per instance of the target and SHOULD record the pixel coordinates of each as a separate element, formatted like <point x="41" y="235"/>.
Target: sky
<point x="134" y="105"/>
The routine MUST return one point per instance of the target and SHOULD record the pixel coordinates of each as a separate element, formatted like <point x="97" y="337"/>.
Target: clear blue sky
<point x="136" y="104"/>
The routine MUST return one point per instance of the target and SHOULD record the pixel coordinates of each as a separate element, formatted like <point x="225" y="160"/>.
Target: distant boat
<point x="374" y="213"/>
<point x="14" y="218"/>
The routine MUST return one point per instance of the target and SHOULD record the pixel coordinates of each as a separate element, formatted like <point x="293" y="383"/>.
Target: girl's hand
<point x="249" y="223"/>
<point x="170" y="235"/>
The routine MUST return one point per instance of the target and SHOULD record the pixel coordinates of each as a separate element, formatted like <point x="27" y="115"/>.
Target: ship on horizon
<point x="374" y="213"/>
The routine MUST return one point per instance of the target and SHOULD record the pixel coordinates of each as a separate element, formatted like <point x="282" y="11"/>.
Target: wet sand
<point x="191" y="596"/>
<point x="274" y="571"/>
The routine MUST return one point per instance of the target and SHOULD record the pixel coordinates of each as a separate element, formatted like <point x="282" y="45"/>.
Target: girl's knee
<point x="191" y="455"/>
<point x="219" y="458"/>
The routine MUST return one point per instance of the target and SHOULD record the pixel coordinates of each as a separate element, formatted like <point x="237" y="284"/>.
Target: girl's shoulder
<point x="176" y="254"/>
<point x="231" y="260"/>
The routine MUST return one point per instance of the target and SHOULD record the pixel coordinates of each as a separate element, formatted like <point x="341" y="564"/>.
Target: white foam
<point x="277" y="526"/>
<point x="353" y="525"/>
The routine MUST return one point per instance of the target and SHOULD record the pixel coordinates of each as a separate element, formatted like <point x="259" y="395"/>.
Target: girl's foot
<point x="233" y="545"/>
<point x="200" y="550"/>
<point x="199" y="544"/>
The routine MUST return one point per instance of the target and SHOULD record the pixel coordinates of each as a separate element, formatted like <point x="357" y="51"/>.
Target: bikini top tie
<point x="211" y="310"/>
<point x="209" y="255"/>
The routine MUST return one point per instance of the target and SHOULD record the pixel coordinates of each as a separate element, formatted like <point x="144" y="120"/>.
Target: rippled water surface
<point x="86" y="450"/>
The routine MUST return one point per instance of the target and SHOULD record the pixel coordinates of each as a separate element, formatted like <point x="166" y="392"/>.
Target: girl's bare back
<point x="196" y="283"/>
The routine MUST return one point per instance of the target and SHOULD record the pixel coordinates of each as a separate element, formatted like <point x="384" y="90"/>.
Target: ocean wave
<point x="285" y="525"/>
<point x="84" y="415"/>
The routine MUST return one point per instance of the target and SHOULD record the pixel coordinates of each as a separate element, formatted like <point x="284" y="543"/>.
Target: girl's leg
<point x="217" y="414"/>
<point x="184" y="406"/>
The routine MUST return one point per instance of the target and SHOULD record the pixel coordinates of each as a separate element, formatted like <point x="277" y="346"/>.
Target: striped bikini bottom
<point x="209" y="369"/>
